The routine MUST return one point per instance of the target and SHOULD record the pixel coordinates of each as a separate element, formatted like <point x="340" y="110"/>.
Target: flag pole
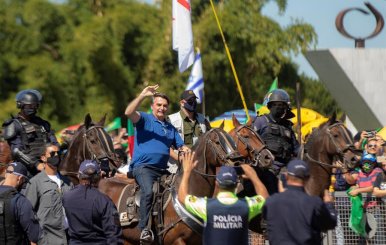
<point x="230" y="60"/>
<point x="298" y="109"/>
<point x="203" y="102"/>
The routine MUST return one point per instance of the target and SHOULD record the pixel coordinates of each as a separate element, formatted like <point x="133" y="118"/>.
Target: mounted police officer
<point x="27" y="134"/>
<point x="276" y="131"/>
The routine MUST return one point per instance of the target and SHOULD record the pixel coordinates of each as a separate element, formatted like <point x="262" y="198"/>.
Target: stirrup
<point x="147" y="236"/>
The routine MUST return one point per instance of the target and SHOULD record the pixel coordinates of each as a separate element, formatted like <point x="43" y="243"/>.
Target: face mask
<point x="54" y="161"/>
<point x="367" y="167"/>
<point x="191" y="105"/>
<point x="277" y="111"/>
<point x="29" y="111"/>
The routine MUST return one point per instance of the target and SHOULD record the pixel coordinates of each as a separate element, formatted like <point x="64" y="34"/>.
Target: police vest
<point x="10" y="231"/>
<point x="34" y="138"/>
<point x="278" y="139"/>
<point x="226" y="224"/>
<point x="176" y="121"/>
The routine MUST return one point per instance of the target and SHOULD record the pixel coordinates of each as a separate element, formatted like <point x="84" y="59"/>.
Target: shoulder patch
<point x="9" y="129"/>
<point x="8" y="122"/>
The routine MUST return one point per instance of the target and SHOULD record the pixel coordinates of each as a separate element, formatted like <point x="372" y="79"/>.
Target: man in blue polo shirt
<point x="153" y="139"/>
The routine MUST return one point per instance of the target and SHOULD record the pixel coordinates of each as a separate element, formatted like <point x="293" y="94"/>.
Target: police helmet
<point x="279" y="95"/>
<point x="28" y="97"/>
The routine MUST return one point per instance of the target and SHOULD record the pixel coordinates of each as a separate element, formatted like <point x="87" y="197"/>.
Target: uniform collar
<point x="296" y="188"/>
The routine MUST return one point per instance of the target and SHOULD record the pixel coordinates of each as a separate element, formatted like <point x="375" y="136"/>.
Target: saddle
<point x="129" y="201"/>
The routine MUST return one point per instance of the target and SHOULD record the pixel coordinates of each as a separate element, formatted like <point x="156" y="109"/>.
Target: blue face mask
<point x="191" y="105"/>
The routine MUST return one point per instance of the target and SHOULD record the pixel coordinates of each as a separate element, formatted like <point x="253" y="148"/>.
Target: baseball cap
<point x="188" y="94"/>
<point x="298" y="168"/>
<point x="368" y="158"/>
<point x="227" y="176"/>
<point x="89" y="164"/>
<point x="17" y="168"/>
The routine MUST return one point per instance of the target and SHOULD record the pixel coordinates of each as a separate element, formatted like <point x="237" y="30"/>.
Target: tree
<point x="95" y="56"/>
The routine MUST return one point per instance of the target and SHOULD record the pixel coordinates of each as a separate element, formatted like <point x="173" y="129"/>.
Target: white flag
<point x="182" y="33"/>
<point x="196" y="79"/>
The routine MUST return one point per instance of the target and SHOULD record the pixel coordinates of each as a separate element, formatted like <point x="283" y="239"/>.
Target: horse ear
<point x="332" y="119"/>
<point x="102" y="121"/>
<point x="343" y="118"/>
<point x="222" y="124"/>
<point x="236" y="122"/>
<point x="87" y="121"/>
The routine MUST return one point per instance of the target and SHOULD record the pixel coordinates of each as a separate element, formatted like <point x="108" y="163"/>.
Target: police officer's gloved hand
<point x="276" y="167"/>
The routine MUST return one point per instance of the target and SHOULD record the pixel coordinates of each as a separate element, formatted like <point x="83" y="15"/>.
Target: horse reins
<point x="251" y="150"/>
<point x="340" y="152"/>
<point x="107" y="151"/>
<point x="217" y="153"/>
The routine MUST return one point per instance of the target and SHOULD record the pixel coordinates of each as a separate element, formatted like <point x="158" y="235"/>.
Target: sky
<point x="321" y="14"/>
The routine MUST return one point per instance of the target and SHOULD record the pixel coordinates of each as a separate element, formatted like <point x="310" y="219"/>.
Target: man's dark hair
<point x="161" y="95"/>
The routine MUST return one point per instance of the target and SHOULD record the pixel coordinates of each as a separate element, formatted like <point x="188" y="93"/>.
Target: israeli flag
<point x="196" y="79"/>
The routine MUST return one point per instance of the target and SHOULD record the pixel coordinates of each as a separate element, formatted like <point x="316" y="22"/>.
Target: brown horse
<point x="250" y="145"/>
<point x="213" y="149"/>
<point x="331" y="141"/>
<point x="5" y="157"/>
<point x="89" y="142"/>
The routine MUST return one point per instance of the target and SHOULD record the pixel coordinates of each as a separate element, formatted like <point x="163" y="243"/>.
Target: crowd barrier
<point x="342" y="234"/>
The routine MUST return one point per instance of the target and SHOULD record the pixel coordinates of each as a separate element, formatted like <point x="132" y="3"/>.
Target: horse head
<point x="250" y="145"/>
<point x="339" y="142"/>
<point x="90" y="141"/>
<point x="216" y="148"/>
<point x="330" y="142"/>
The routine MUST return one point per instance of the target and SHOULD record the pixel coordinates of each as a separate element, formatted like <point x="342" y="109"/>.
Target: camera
<point x="371" y="134"/>
<point x="239" y="170"/>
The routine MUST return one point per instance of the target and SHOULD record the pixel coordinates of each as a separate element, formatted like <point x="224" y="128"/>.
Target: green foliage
<point x="95" y="56"/>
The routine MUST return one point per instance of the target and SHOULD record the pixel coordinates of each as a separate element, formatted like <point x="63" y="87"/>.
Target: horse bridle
<point x="107" y="151"/>
<point x="340" y="152"/>
<point x="227" y="158"/>
<point x="256" y="153"/>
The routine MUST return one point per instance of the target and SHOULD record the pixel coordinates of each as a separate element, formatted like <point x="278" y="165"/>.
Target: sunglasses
<point x="53" y="153"/>
<point x="372" y="146"/>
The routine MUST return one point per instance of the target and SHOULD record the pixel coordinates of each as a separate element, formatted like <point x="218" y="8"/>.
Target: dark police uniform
<point x="27" y="139"/>
<point x="278" y="136"/>
<point x="18" y="224"/>
<point x="92" y="217"/>
<point x="281" y="141"/>
<point x="293" y="217"/>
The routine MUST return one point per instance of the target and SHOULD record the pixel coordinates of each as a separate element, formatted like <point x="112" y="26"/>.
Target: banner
<point x="182" y="33"/>
<point x="196" y="79"/>
<point x="274" y="85"/>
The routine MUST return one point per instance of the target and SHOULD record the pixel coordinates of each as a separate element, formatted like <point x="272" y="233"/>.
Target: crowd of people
<point x="38" y="205"/>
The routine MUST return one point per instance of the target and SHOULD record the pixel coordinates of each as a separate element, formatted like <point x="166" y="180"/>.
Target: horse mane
<point x="317" y="131"/>
<point x="315" y="134"/>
